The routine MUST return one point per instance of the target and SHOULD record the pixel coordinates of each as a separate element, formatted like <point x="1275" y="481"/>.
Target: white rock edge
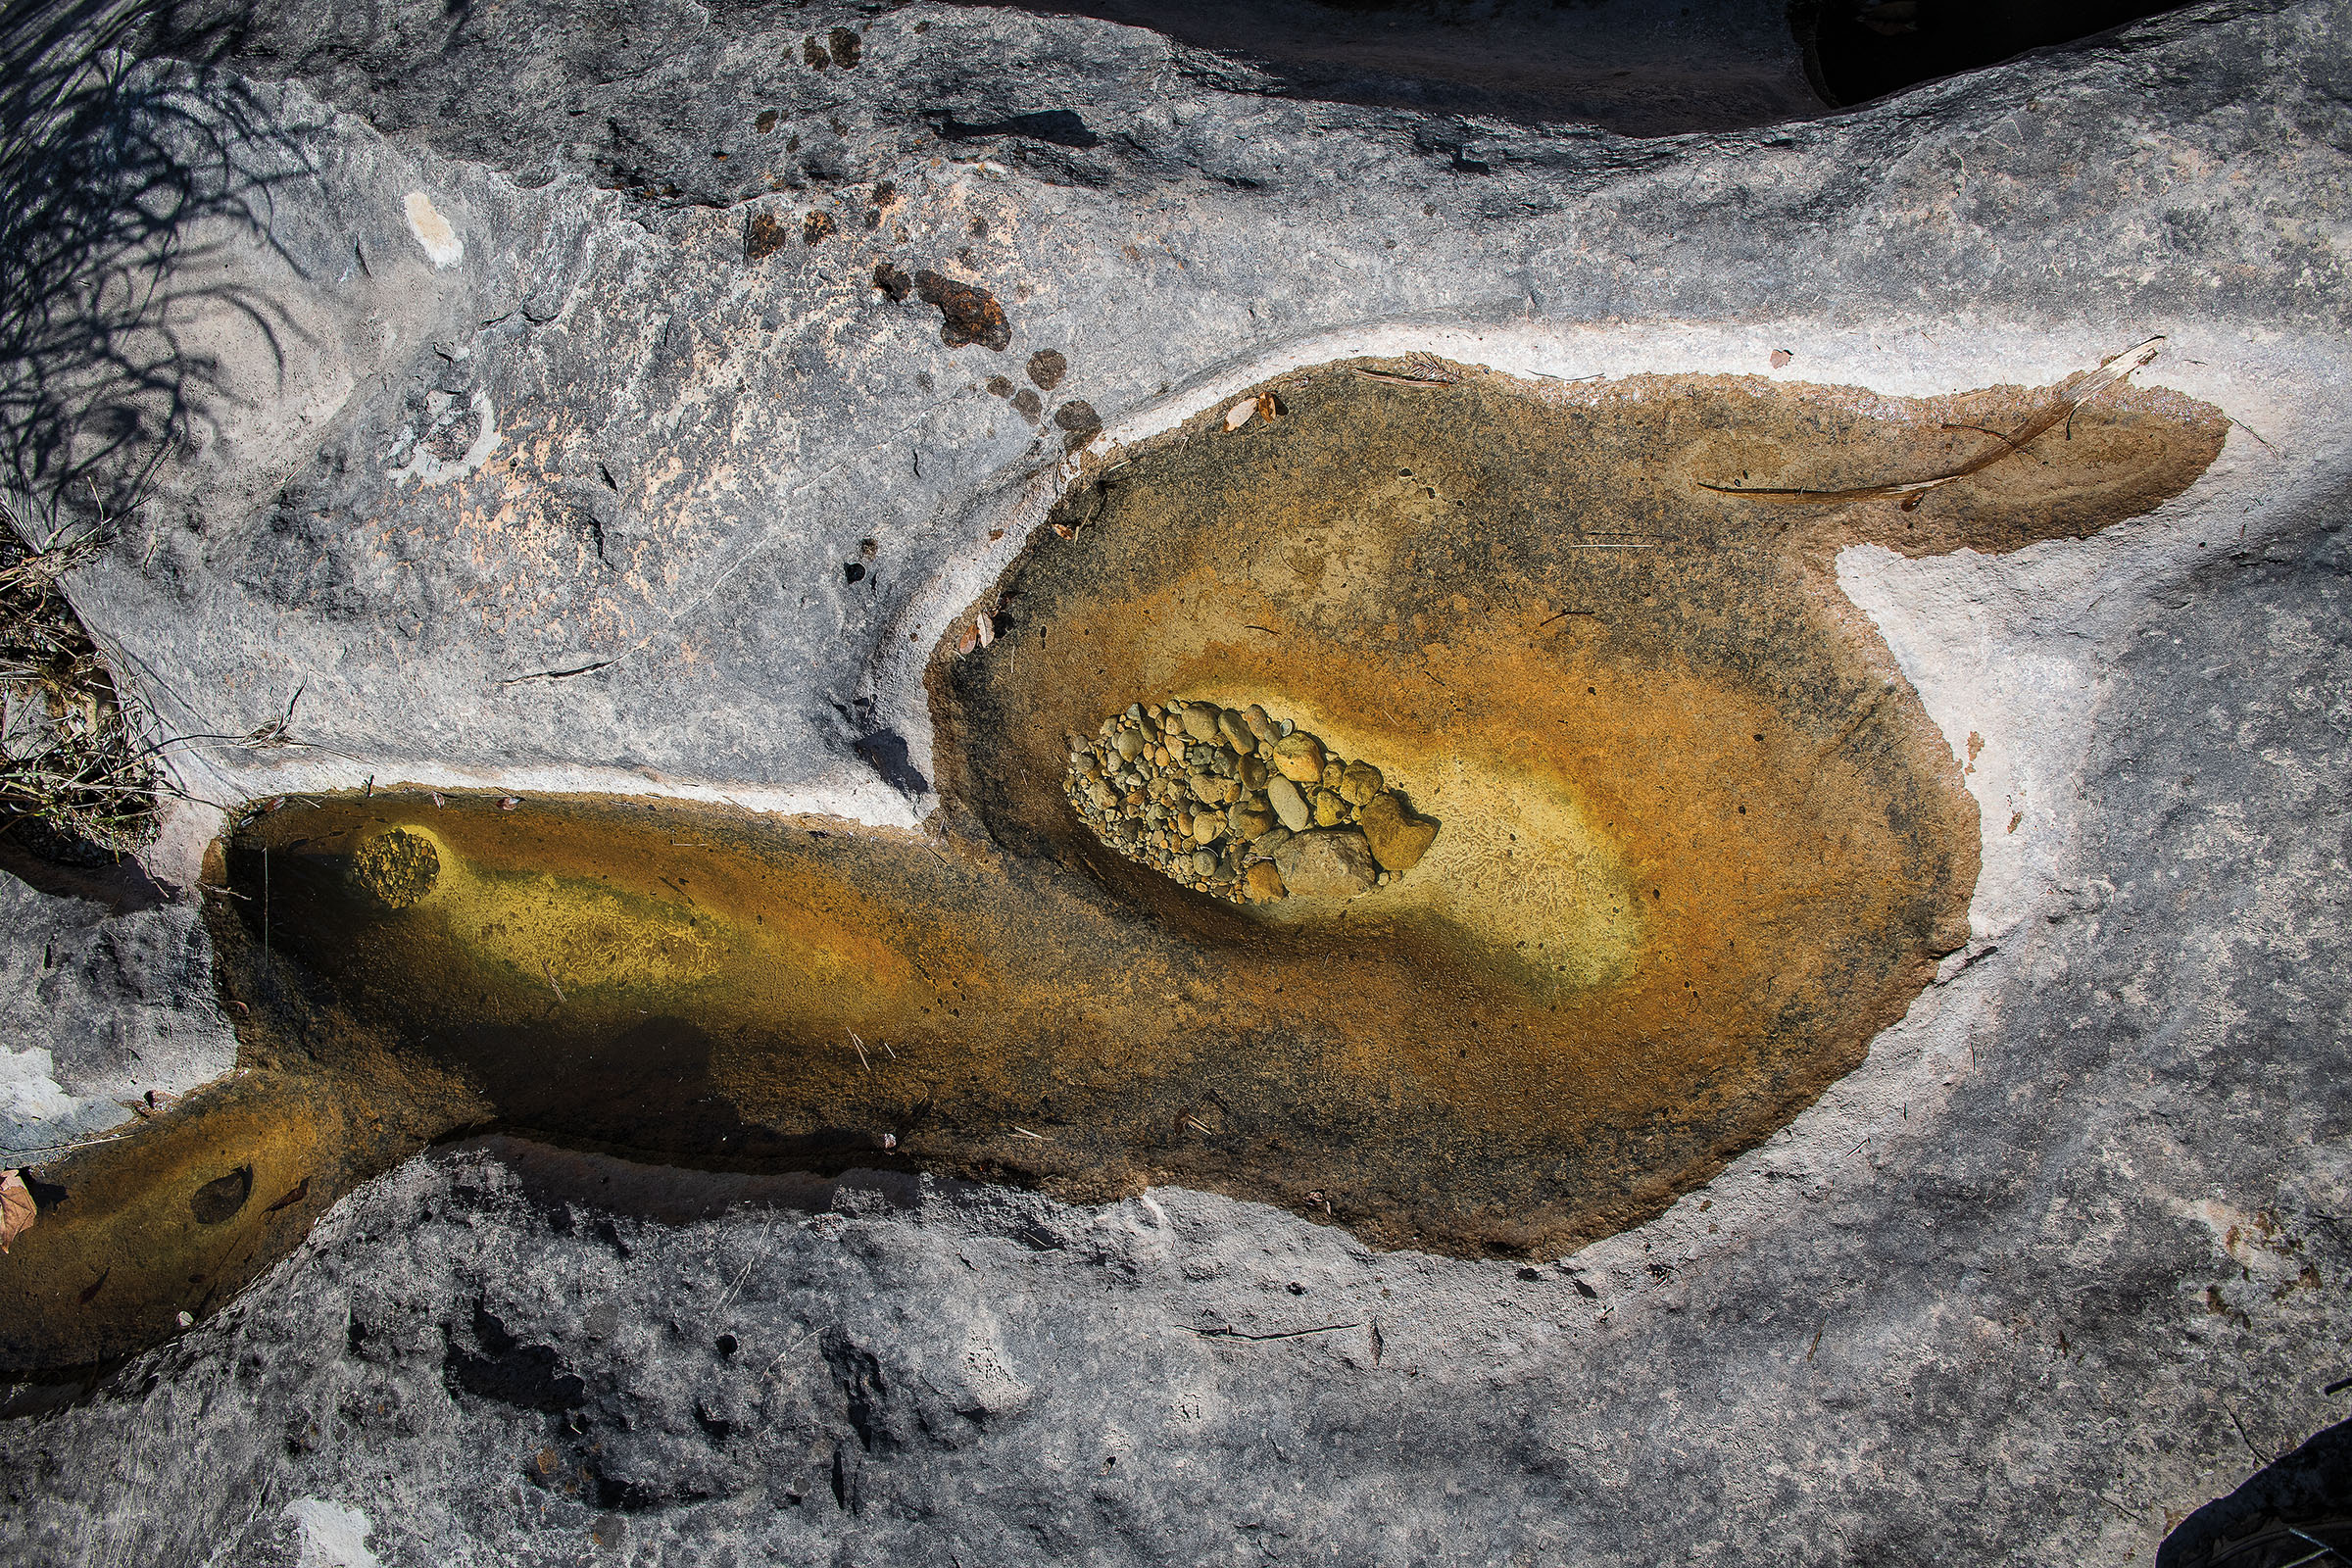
<point x="329" y="1535"/>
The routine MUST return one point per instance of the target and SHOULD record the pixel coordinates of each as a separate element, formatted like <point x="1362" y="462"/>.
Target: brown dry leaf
<point x="985" y="626"/>
<point x="1269" y="407"/>
<point x="16" y="1212"/>
<point x="1238" y="415"/>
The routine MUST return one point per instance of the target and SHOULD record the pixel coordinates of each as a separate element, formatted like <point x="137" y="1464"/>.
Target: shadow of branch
<point x="117" y="181"/>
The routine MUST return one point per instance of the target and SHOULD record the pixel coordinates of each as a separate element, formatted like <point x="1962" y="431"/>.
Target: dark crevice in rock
<point x="528" y="1377"/>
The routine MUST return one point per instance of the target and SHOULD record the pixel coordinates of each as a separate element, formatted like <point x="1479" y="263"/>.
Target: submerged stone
<point x="1398" y="841"/>
<point x="397" y="869"/>
<point x="1241" y="802"/>
<point x="1327" y="863"/>
<point x="1298" y="756"/>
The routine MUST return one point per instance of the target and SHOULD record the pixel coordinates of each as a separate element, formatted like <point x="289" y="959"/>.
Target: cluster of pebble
<point x="1231" y="802"/>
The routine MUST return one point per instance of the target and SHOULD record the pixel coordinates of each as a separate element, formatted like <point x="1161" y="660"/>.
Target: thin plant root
<point x="2071" y="396"/>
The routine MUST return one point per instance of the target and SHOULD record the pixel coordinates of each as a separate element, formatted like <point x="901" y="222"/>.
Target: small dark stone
<point x="814" y="52"/>
<point x="999" y="386"/>
<point x="1029" y="402"/>
<point x="815" y="226"/>
<point x="845" y="46"/>
<point x="893" y="281"/>
<point x="1046" y="367"/>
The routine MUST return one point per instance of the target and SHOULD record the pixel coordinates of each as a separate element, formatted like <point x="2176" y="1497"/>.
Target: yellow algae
<point x="1699" y="843"/>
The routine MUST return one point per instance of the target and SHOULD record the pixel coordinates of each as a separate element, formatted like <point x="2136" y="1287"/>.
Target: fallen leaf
<point x="438" y="802"/>
<point x="95" y="1285"/>
<point x="1269" y="407"/>
<point x="985" y="626"/>
<point x="16" y="1212"/>
<point x="507" y="802"/>
<point x="968" y="641"/>
<point x="1238" y="415"/>
<point x="302" y="1190"/>
<point x="1781" y="357"/>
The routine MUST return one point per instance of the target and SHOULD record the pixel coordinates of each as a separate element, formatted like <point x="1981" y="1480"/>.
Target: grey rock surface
<point x="551" y="482"/>
<point x="98" y="1006"/>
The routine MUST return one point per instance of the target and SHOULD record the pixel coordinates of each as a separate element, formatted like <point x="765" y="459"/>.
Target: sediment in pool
<point x="1699" y="843"/>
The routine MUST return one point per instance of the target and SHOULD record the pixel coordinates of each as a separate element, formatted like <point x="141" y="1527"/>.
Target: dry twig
<point x="2071" y="396"/>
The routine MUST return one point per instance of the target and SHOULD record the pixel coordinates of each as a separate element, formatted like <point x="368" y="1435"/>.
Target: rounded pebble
<point x="1240" y="805"/>
<point x="1298" y="756"/>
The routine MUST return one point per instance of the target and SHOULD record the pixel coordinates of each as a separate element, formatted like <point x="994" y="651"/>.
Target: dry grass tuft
<point x="76" y="783"/>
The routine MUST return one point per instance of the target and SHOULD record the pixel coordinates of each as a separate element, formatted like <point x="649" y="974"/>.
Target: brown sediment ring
<point x="1701" y="843"/>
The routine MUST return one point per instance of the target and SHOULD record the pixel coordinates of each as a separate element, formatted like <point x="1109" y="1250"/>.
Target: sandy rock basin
<point x="1700" y="843"/>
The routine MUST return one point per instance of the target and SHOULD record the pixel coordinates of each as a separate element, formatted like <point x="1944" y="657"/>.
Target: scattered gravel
<point x="1243" y="807"/>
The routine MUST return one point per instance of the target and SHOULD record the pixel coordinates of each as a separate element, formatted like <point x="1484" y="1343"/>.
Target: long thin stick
<point x="2070" y="398"/>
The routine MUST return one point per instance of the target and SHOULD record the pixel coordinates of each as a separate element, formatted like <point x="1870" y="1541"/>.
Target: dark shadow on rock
<point x="1858" y="50"/>
<point x="2297" y="1511"/>
<point x="646" y="1093"/>
<point x="108" y="170"/>
<point x="555" y="1178"/>
<point x="1640" y="68"/>
<point x="118" y="883"/>
<point x="528" y="1377"/>
<point x="1061" y="127"/>
<point x="886" y="752"/>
